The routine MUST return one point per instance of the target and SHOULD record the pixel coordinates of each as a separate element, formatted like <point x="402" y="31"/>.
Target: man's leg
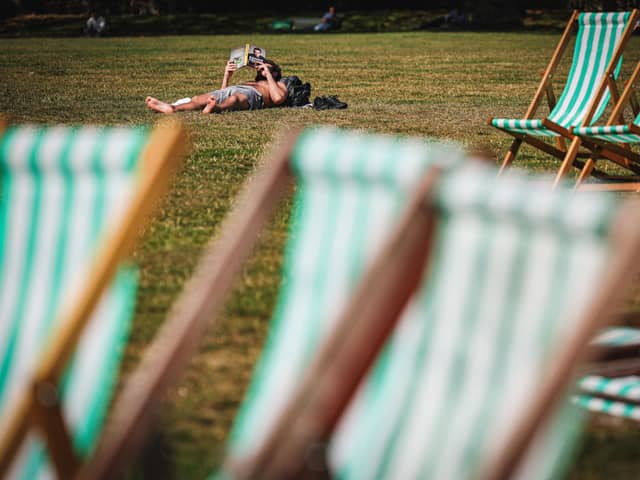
<point x="234" y="102"/>
<point x="197" y="103"/>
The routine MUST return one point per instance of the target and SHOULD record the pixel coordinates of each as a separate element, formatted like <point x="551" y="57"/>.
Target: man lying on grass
<point x="265" y="92"/>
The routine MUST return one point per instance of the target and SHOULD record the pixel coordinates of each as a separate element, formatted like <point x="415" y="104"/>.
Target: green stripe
<point x="27" y="271"/>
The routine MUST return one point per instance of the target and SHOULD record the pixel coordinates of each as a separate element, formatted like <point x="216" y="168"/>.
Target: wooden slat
<point x="609" y="187"/>
<point x="48" y="417"/>
<point x="194" y="311"/>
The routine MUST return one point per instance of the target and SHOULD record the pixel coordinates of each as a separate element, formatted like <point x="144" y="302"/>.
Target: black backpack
<point x="297" y="92"/>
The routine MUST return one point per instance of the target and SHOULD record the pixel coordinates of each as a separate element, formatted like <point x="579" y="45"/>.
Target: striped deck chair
<point x="617" y="396"/>
<point x="613" y="384"/>
<point x="472" y="382"/>
<point x="615" y="137"/>
<point x="597" y="58"/>
<point x="350" y="187"/>
<point x="72" y="200"/>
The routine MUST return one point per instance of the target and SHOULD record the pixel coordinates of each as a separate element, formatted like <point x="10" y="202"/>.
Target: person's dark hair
<point x="276" y="73"/>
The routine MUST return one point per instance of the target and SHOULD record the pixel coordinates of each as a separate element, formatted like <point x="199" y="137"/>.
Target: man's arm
<point x="228" y="72"/>
<point x="277" y="92"/>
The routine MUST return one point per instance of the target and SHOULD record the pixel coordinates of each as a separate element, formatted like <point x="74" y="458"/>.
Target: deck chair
<point x="72" y="200"/>
<point x="617" y="396"/>
<point x="591" y="83"/>
<point x="611" y="385"/>
<point x="349" y="189"/>
<point x="472" y="381"/>
<point x="615" y="137"/>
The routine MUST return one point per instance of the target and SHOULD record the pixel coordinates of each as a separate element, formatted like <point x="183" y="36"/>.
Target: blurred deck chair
<point x="473" y="380"/>
<point x="617" y="396"/>
<point x="611" y="384"/>
<point x="591" y="83"/>
<point x="350" y="188"/>
<point x="615" y="137"/>
<point x="72" y="200"/>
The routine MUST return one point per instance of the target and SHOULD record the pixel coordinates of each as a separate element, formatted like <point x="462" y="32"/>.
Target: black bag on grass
<point x="297" y="92"/>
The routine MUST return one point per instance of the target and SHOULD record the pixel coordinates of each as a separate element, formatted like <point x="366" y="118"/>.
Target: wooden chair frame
<point x="545" y="89"/>
<point x="328" y="386"/>
<point x="40" y="405"/>
<point x="631" y="160"/>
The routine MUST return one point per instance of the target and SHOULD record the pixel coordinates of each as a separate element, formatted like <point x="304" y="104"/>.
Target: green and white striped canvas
<point x="61" y="187"/>
<point x="351" y="188"/>
<point x="618" y="337"/>
<point x="611" y="133"/>
<point x="597" y="38"/>
<point x="618" y="396"/>
<point x="512" y="261"/>
<point x="614" y="396"/>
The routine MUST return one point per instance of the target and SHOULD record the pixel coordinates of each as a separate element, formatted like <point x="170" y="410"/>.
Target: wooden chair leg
<point x="587" y="169"/>
<point x="511" y="154"/>
<point x="48" y="417"/>
<point x="568" y="161"/>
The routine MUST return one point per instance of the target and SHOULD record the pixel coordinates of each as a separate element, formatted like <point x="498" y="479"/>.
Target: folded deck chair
<point x="615" y="137"/>
<point x="597" y="58"/>
<point x="349" y="190"/>
<point x="72" y="200"/>
<point x="472" y="381"/>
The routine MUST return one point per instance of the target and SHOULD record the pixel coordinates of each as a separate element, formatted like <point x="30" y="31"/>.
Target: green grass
<point x="441" y="85"/>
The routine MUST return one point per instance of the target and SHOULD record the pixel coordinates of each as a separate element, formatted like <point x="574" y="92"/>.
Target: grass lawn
<point x="441" y="85"/>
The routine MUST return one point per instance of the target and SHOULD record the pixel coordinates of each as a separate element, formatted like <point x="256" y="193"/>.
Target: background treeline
<point x="156" y="7"/>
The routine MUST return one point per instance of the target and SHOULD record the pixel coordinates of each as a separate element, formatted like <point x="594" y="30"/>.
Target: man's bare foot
<point x="211" y="104"/>
<point x="158" y="106"/>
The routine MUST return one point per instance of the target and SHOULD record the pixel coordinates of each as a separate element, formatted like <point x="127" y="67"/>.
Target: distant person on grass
<point x="328" y="21"/>
<point x="95" y="26"/>
<point x="265" y="91"/>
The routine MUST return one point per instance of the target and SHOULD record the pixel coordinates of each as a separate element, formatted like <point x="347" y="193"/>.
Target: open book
<point x="247" y="55"/>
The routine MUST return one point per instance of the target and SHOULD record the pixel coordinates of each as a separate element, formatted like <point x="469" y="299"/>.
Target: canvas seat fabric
<point x="351" y="188"/>
<point x="613" y="396"/>
<point x="611" y="133"/>
<point x="596" y="40"/>
<point x="511" y="263"/>
<point x="60" y="189"/>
